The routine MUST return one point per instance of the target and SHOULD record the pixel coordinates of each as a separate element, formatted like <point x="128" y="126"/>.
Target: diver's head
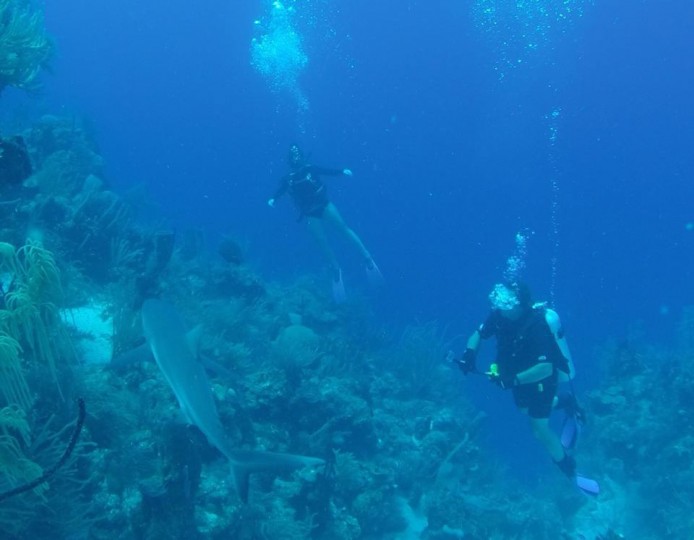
<point x="295" y="157"/>
<point x="511" y="299"/>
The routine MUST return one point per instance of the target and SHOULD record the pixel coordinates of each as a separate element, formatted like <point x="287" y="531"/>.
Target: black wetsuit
<point x="306" y="189"/>
<point x="521" y="344"/>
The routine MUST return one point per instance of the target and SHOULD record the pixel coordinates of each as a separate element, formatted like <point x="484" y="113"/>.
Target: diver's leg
<point x="565" y="462"/>
<point x="536" y="401"/>
<point x="548" y="438"/>
<point x="315" y="225"/>
<point x="331" y="213"/>
<point x="552" y="444"/>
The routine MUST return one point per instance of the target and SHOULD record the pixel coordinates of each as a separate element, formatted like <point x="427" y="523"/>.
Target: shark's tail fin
<point x="244" y="463"/>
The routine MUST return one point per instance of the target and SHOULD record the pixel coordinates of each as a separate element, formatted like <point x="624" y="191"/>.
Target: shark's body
<point x="166" y="336"/>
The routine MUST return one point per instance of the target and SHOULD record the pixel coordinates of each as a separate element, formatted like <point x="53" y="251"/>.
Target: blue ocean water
<point x="446" y="119"/>
<point x="464" y="123"/>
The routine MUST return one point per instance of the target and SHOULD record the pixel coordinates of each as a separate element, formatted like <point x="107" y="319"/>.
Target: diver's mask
<point x="503" y="298"/>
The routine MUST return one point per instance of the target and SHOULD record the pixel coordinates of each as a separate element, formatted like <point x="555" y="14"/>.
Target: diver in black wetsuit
<point x="304" y="185"/>
<point x="532" y="358"/>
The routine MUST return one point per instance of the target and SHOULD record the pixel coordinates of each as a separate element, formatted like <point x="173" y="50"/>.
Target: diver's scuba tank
<point x="554" y="323"/>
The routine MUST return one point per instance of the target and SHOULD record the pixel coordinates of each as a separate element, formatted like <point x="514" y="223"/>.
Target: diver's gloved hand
<point x="271" y="203"/>
<point x="502" y="381"/>
<point x="347" y="172"/>
<point x="466" y="363"/>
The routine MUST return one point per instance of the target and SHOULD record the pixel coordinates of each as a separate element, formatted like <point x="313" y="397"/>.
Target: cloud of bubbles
<point x="277" y="51"/>
<point x="515" y="264"/>
<point x="520" y="29"/>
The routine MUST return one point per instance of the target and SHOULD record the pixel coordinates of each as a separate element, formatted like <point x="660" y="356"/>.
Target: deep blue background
<point x="449" y="160"/>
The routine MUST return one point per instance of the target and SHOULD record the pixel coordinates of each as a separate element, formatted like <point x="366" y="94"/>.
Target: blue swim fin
<point x="588" y="485"/>
<point x="573" y="420"/>
<point x="571" y="429"/>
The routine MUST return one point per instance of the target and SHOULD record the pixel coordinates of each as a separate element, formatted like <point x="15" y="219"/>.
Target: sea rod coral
<point x="24" y="45"/>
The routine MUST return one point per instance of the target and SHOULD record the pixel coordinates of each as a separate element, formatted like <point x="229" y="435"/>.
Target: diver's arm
<point x="544" y="341"/>
<point x="466" y="362"/>
<point x="473" y="342"/>
<point x="324" y="171"/>
<point x="535" y="373"/>
<point x="484" y="331"/>
<point x="555" y="327"/>
<point x="281" y="189"/>
<point x="546" y="356"/>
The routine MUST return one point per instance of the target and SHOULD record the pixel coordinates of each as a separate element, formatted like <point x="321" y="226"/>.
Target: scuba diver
<point x="532" y="358"/>
<point x="304" y="185"/>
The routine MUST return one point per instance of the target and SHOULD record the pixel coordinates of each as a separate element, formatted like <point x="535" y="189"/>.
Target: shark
<point x="165" y="334"/>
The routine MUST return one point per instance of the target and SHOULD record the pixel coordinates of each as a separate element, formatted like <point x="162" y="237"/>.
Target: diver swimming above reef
<point x="532" y="359"/>
<point x="304" y="185"/>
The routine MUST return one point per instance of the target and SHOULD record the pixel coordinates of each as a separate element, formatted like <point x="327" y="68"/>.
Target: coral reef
<point x="24" y="46"/>
<point x="35" y="371"/>
<point x="641" y="435"/>
<point x="289" y="372"/>
<point x="30" y="316"/>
